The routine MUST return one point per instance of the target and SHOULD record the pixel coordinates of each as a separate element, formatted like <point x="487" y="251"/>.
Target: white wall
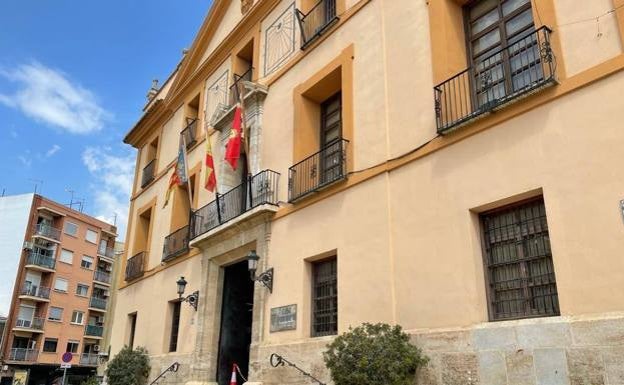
<point x="14" y="212"/>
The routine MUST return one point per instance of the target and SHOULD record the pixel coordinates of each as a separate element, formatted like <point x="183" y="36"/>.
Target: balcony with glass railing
<point x="89" y="359"/>
<point x="94" y="331"/>
<point x="23" y="355"/>
<point x="47" y="231"/>
<point x="39" y="261"/>
<point x="34" y="292"/>
<point x="102" y="276"/>
<point x="98" y="303"/>
<point x="34" y="325"/>
<point x="105" y="251"/>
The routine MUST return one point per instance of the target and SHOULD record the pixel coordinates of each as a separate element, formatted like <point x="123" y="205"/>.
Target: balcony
<point x="176" y="244"/>
<point x="33" y="325"/>
<point x="94" y="331"/>
<point x="107" y="252"/>
<point x="237" y="87"/>
<point x="97" y="303"/>
<point x="102" y="277"/>
<point x="48" y="232"/>
<point x="148" y="173"/>
<point x="135" y="266"/>
<point x="318" y="171"/>
<point x="507" y="75"/>
<point x="258" y="190"/>
<point x="23" y="355"/>
<point x="314" y="23"/>
<point x="189" y="133"/>
<point x="38" y="261"/>
<point x="89" y="359"/>
<point x="36" y="293"/>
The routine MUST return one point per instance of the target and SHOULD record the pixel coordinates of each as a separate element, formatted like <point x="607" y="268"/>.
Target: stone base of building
<point x="544" y="351"/>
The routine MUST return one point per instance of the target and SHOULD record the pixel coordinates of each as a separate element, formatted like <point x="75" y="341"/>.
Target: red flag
<point x="233" y="147"/>
<point x="211" y="178"/>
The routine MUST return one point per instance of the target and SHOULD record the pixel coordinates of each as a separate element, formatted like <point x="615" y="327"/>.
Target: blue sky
<point x="73" y="80"/>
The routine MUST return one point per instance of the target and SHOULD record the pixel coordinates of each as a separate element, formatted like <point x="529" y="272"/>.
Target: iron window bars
<point x="257" y="190"/>
<point x="318" y="171"/>
<point x="148" y="173"/>
<point x="314" y="23"/>
<point x="235" y="88"/>
<point x="516" y="70"/>
<point x="189" y="132"/>
<point x="325" y="298"/>
<point x="135" y="266"/>
<point x="176" y="244"/>
<point x="520" y="272"/>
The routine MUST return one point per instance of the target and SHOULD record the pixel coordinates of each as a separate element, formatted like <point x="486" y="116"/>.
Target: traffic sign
<point x="65" y="366"/>
<point x="67" y="357"/>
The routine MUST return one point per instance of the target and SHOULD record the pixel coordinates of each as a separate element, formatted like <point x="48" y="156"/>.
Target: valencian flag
<point x="233" y="147"/>
<point x="179" y="176"/>
<point x="211" y="177"/>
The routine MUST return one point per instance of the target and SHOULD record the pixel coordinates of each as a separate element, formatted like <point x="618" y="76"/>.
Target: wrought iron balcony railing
<point x="176" y="244"/>
<point x="314" y="23"/>
<point x="237" y="87"/>
<point x="36" y="323"/>
<point x="89" y="359"/>
<point x="98" y="303"/>
<point x="25" y="355"/>
<point x="189" y="132"/>
<point x="38" y="259"/>
<point x="94" y="330"/>
<point x="35" y="291"/>
<point x="48" y="231"/>
<point x="258" y="190"/>
<point x="135" y="266"/>
<point x="101" y="276"/>
<point x="318" y="171"/>
<point x="108" y="252"/>
<point x="148" y="173"/>
<point x="517" y="70"/>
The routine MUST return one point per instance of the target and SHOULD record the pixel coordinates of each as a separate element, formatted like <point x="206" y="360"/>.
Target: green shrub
<point x="373" y="355"/>
<point x="129" y="367"/>
<point x="91" y="381"/>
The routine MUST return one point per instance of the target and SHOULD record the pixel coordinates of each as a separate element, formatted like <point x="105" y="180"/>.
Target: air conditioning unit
<point x="96" y="348"/>
<point x="28" y="245"/>
<point x="99" y="321"/>
<point x="106" y="293"/>
<point x="5" y="368"/>
<point x="109" y="268"/>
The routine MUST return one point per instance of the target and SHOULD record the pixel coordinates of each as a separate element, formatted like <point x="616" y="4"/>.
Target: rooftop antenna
<point x="114" y="219"/>
<point x="3" y="190"/>
<point x="37" y="182"/>
<point x="75" y="200"/>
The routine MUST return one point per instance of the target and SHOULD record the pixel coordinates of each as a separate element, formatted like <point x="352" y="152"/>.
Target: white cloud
<point x="113" y="176"/>
<point x="25" y="159"/>
<point x="53" y="150"/>
<point x="47" y="95"/>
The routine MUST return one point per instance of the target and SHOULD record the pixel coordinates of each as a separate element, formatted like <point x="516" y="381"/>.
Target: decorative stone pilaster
<point x="246" y="5"/>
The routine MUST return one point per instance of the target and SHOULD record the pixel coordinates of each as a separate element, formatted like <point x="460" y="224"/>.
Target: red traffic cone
<point x="233" y="379"/>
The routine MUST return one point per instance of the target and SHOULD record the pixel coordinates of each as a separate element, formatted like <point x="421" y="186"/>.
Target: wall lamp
<point x="265" y="278"/>
<point x="192" y="298"/>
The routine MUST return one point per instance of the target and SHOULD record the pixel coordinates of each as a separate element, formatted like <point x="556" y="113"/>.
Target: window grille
<point x="519" y="262"/>
<point x="325" y="298"/>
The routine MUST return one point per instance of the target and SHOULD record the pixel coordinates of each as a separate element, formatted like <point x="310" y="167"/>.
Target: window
<point x="331" y="133"/>
<point x="175" y="325"/>
<point x="86" y="262"/>
<point x="493" y="25"/>
<point x="71" y="228"/>
<point x="132" y="318"/>
<point x="77" y="317"/>
<point x="91" y="236"/>
<point x="66" y="256"/>
<point x="82" y="290"/>
<point x="520" y="272"/>
<point x="72" y="346"/>
<point x="55" y="314"/>
<point x="49" y="345"/>
<point x="60" y="284"/>
<point x="325" y="298"/>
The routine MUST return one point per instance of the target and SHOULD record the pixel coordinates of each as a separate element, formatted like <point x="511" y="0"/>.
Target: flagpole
<point x="216" y="188"/>
<point x="188" y="178"/>
<point x="241" y="101"/>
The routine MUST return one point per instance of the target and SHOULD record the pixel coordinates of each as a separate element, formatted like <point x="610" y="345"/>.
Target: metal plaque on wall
<point x="283" y="318"/>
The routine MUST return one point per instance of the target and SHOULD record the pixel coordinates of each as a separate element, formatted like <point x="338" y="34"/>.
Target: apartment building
<point x="451" y="166"/>
<point x="61" y="291"/>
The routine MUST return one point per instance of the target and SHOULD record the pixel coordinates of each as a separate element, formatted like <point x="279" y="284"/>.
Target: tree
<point x="373" y="354"/>
<point x="91" y="381"/>
<point x="129" y="367"/>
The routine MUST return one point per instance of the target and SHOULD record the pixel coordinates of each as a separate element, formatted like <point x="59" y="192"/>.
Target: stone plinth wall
<point x="546" y="351"/>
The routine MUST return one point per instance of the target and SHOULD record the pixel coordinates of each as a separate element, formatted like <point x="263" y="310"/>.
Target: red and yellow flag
<point x="211" y="178"/>
<point x="233" y="147"/>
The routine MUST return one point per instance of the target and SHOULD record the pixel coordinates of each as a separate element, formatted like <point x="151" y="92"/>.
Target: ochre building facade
<point x="450" y="166"/>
